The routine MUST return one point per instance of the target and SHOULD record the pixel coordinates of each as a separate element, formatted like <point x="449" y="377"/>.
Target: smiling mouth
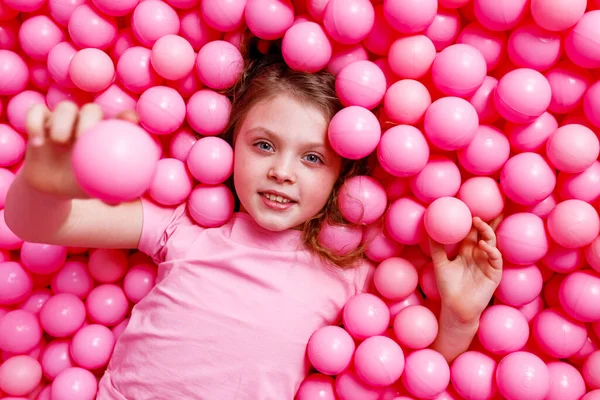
<point x="276" y="198"/>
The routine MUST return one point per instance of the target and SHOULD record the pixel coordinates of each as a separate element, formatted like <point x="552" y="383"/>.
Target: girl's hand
<point x="467" y="283"/>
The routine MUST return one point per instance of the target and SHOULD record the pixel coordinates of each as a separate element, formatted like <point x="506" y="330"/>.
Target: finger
<point x="89" y="116"/>
<point x="129" y="115"/>
<point x="493" y="254"/>
<point x="35" y="124"/>
<point x="438" y="253"/>
<point x="486" y="231"/>
<point x="63" y="122"/>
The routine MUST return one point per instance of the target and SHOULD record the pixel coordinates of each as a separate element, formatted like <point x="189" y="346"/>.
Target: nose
<point x="282" y="170"/>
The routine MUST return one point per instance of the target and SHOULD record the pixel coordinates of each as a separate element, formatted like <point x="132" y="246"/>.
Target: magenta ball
<point x="491" y="45"/>
<point x="56" y="358"/>
<point x="365" y="315"/>
<point x="106" y="170"/>
<point x="579" y="295"/>
<point x="439" y="178"/>
<point x="152" y="20"/>
<point x="582" y="186"/>
<point x="527" y="179"/>
<point x="138" y="282"/>
<point x="317" y="387"/>
<point x="107" y="265"/>
<point x="219" y="64"/>
<point x="473" y="375"/>
<point x="530" y="46"/>
<point x="19" y="375"/>
<point x="172" y="57"/>
<point x="573" y="223"/>
<point x="500" y="16"/>
<point x="341" y="239"/>
<point x="520" y="285"/>
<point x="444" y="29"/>
<point x="89" y="28"/>
<point x="562" y="260"/>
<point x="362" y="200"/>
<point x="354" y="132"/>
<point x="172" y="183"/>
<point x="13" y="146"/>
<point x="181" y="143"/>
<point x="348" y="21"/>
<point x="161" y="110"/>
<point x="569" y="85"/>
<point x="483" y="196"/>
<point x="592" y="254"/>
<point x="92" y="346"/>
<point x="20" y="332"/>
<point x="330" y="349"/>
<point x="306" y="47"/>
<point x="134" y="70"/>
<point x="396" y="278"/>
<point x="459" y="70"/>
<point x="483" y="101"/>
<point x="117" y="9"/>
<point x="410" y="17"/>
<point x="591" y="104"/>
<point x="361" y="83"/>
<point x="523" y="375"/>
<point x="522" y="238"/>
<point x="448" y="220"/>
<point x="38" y="35"/>
<point x="487" y="152"/>
<point x="590" y="370"/>
<point x="566" y="382"/>
<point x="451" y="123"/>
<point x="411" y="212"/>
<point x="195" y="29"/>
<point x="73" y="278"/>
<point x="572" y="148"/>
<point x="211" y="205"/>
<point x="411" y="56"/>
<point x="531" y="136"/>
<point x="406" y="101"/>
<point x="91" y="70"/>
<point x="426" y="374"/>
<point x="225" y="17"/>
<point x="43" y="258"/>
<point x="557" y="334"/>
<point x="379" y="245"/>
<point x="74" y="383"/>
<point x="107" y="305"/>
<point x="208" y="112"/>
<point x="15" y="283"/>
<point x="415" y="327"/>
<point x="403" y="151"/>
<point x="503" y="329"/>
<point x="211" y="160"/>
<point x="18" y="107"/>
<point x="349" y="386"/>
<point x="269" y="19"/>
<point x="522" y="95"/>
<point x="579" y="41"/>
<point x="62" y="315"/>
<point x="16" y="73"/>
<point x="379" y="361"/>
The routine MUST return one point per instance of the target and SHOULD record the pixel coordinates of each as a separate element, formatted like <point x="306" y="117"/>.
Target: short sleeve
<point x="363" y="278"/>
<point x="161" y="225"/>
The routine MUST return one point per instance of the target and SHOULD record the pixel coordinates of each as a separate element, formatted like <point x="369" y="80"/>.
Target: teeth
<point x="278" y="199"/>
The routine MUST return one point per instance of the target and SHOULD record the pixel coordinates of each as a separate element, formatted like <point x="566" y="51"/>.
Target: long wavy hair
<point x="266" y="76"/>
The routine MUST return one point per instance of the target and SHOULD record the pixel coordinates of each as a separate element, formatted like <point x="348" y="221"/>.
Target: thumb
<point x="129" y="115"/>
<point x="438" y="253"/>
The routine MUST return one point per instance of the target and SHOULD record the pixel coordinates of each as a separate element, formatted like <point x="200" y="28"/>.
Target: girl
<point x="234" y="307"/>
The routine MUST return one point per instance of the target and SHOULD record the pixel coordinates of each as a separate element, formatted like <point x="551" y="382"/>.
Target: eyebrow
<point x="271" y="134"/>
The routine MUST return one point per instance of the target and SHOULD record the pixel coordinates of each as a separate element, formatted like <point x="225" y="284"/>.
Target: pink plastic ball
<point x="305" y="47"/>
<point x="161" y="110"/>
<point x="491" y="45"/>
<point x="181" y="143"/>
<point x="451" y="123"/>
<point x="444" y="29"/>
<point x="73" y="278"/>
<point x="410" y="17"/>
<point x="459" y="70"/>
<point x="563" y="260"/>
<point x="500" y="16"/>
<point x="107" y="265"/>
<point x="119" y="174"/>
<point x="406" y="101"/>
<point x="56" y="358"/>
<point x="195" y="29"/>
<point x="269" y="19"/>
<point x="348" y="21"/>
<point x="572" y="148"/>
<point x="487" y="152"/>
<point x="527" y="179"/>
<point x="7" y="12"/>
<point x="223" y="16"/>
<point x="566" y="382"/>
<point x="530" y="46"/>
<point x="152" y="20"/>
<point x="426" y="374"/>
<point x="379" y="245"/>
<point x="57" y="94"/>
<point x="90" y="28"/>
<point x="36" y="301"/>
<point x="440" y="177"/>
<point x="138" y="282"/>
<point x="208" y="112"/>
<point x="43" y="258"/>
<point x="531" y="136"/>
<point x="411" y="56"/>
<point x="557" y="15"/>
<point x="211" y="205"/>
<point x="361" y="83"/>
<point x="349" y="386"/>
<point x="573" y="223"/>
<point x="591" y="104"/>
<point x="569" y="85"/>
<point x="473" y="375"/>
<point x="341" y="239"/>
<point x="134" y="70"/>
<point x="503" y="329"/>
<point x="411" y="212"/>
<point x="62" y="315"/>
<point x="592" y="254"/>
<point x="20" y="332"/>
<point x="379" y="361"/>
<point x="19" y="375"/>
<point x="13" y="146"/>
<point x="107" y="305"/>
<point x="396" y="278"/>
<point x="520" y="285"/>
<point x="172" y="57"/>
<point x="522" y="95"/>
<point x="9" y="32"/>
<point x="591" y="370"/>
<point x="40" y="77"/>
<point x="448" y="220"/>
<point x="579" y="295"/>
<point x="354" y="132"/>
<point x="15" y="283"/>
<point x="211" y="160"/>
<point x="365" y="315"/>
<point x="317" y="387"/>
<point x="74" y="383"/>
<point x="8" y="240"/>
<point x="403" y="151"/>
<point x="15" y="74"/>
<point x="483" y="101"/>
<point x="172" y="183"/>
<point x="219" y="64"/>
<point x="523" y="375"/>
<point x="579" y="41"/>
<point x="61" y="10"/>
<point x="24" y="5"/>
<point x="380" y="38"/>
<point x="346" y="54"/>
<point x="91" y="70"/>
<point x="19" y="105"/>
<point x="362" y="200"/>
<point x="557" y="334"/>
<point x="117" y="9"/>
<point x="114" y="101"/>
<point x="415" y="327"/>
<point x="483" y="197"/>
<point x="6" y="180"/>
<point x="522" y="238"/>
<point x="92" y="346"/>
<point x="330" y="350"/>
<point x="530" y="310"/>
<point x="38" y="35"/>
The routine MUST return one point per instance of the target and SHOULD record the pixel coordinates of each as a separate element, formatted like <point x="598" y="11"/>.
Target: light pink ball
<point x="362" y="200"/>
<point x="491" y="45"/>
<point x="349" y="386"/>
<point x="43" y="258"/>
<point x="573" y="223"/>
<point x="20" y="332"/>
<point x="361" y="83"/>
<point x="522" y="238"/>
<point x="520" y="285"/>
<point x="73" y="278"/>
<point x="527" y="179"/>
<point x="426" y="374"/>
<point x="92" y="346"/>
<point x="348" y="21"/>
<point x="211" y="160"/>
<point x="56" y="358"/>
<point x="579" y="295"/>
<point x="38" y="35"/>
<point x="195" y="29"/>
<point x="125" y="39"/>
<point x="90" y="28"/>
<point x="15" y="74"/>
<point x="107" y="265"/>
<point x="317" y="386"/>
<point x="487" y="152"/>
<point x="208" y="112"/>
<point x="530" y="46"/>
<point x="440" y="177"/>
<point x="411" y="56"/>
<point x="415" y="327"/>
<point x="138" y="282"/>
<point x="591" y="104"/>
<point x="346" y="54"/>
<point x="91" y="70"/>
<point x="579" y="41"/>
<point x="459" y="70"/>
<point x="306" y="47"/>
<point x="223" y="16"/>
<point x="269" y="19"/>
<point x="403" y="151"/>
<point x="522" y="95"/>
<point x="379" y="361"/>
<point x="74" y="383"/>
<point x="219" y="64"/>
<point x="379" y="245"/>
<point x="36" y="301"/>
<point x="15" y="283"/>
<point x="330" y="350"/>
<point x="503" y="329"/>
<point x="114" y="101"/>
<point x="562" y="260"/>
<point x="569" y="85"/>
<point x="410" y="16"/>
<point x="500" y="16"/>
<point x="483" y="196"/>
<point x="107" y="305"/>
<point x="451" y="123"/>
<point x="114" y="8"/>
<point x="448" y="220"/>
<point x="181" y="143"/>
<point x="341" y="239"/>
<point x="557" y="334"/>
<point x="172" y="57"/>
<point x="406" y="101"/>
<point x="566" y="382"/>
<point x="19" y="105"/>
<point x="61" y="10"/>
<point x="13" y="146"/>
<point x="523" y="375"/>
<point x="19" y="375"/>
<point x="531" y="136"/>
<point x="444" y="29"/>
<point x="134" y="70"/>
<point x="354" y="132"/>
<point x="62" y="315"/>
<point x="557" y="15"/>
<point x="572" y="148"/>
<point x="161" y="110"/>
<point x="591" y="370"/>
<point x="152" y="20"/>
<point x="365" y="315"/>
<point x="211" y="205"/>
<point x="473" y="375"/>
<point x="411" y="213"/>
<point x="396" y="278"/>
<point x="172" y="183"/>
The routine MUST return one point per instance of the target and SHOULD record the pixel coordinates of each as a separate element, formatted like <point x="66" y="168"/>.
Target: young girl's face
<point x="282" y="152"/>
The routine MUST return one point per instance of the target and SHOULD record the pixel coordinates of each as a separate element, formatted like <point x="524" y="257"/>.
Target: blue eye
<point x="263" y="146"/>
<point x="314" y="159"/>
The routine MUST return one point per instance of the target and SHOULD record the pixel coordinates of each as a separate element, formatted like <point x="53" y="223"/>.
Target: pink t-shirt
<point x="231" y="313"/>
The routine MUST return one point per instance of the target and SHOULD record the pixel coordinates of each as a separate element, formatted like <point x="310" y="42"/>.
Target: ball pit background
<point x="467" y="107"/>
